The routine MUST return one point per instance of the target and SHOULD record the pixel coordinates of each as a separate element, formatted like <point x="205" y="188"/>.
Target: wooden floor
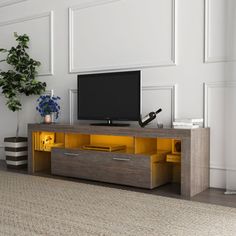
<point x="212" y="196"/>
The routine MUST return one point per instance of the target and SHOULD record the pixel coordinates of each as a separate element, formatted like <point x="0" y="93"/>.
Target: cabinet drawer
<point x="126" y="169"/>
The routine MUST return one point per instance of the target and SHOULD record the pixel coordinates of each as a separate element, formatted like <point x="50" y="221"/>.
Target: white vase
<point x="47" y="119"/>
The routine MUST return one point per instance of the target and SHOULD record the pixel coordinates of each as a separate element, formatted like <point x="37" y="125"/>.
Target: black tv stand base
<point x="110" y="123"/>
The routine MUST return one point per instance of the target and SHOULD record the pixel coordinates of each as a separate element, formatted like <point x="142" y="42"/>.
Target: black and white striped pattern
<point x="16" y="152"/>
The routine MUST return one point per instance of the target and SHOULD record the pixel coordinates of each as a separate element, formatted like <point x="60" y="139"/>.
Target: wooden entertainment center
<point x="143" y="163"/>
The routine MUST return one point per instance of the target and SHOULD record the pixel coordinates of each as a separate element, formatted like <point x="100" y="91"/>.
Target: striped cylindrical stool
<point x="16" y="152"/>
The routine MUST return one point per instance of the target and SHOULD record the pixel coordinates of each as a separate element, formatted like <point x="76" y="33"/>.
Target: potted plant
<point x="47" y="107"/>
<point x="19" y="80"/>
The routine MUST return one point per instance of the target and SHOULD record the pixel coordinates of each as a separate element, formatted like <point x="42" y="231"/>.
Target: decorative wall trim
<point x="89" y="4"/>
<point x="207" y="86"/>
<point x="111" y="68"/>
<point x="33" y="17"/>
<point x="5" y="3"/>
<point x="207" y="57"/>
<point x="213" y="167"/>
<point x="172" y="88"/>
<point x="51" y="35"/>
<point x="173" y="34"/>
<point x="72" y="92"/>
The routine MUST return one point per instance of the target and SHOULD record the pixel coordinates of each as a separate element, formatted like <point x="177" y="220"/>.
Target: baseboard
<point x="218" y="178"/>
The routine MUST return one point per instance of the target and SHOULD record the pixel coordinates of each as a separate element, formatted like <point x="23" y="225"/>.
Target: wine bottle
<point x="148" y="118"/>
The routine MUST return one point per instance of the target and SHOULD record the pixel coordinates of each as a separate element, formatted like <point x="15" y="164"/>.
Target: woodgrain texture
<point x="123" y="169"/>
<point x="200" y="152"/>
<point x="109" y="130"/>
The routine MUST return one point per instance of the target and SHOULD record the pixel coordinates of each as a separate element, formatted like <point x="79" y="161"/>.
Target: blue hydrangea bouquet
<point x="48" y="105"/>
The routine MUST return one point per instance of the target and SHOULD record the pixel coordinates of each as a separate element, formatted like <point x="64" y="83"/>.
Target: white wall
<point x="178" y="44"/>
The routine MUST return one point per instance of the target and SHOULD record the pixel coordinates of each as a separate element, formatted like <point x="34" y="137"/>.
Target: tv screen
<point x="109" y="96"/>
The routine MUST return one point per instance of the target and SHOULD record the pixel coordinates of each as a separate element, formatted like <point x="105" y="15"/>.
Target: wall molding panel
<point x="207" y="87"/>
<point x="209" y="56"/>
<point x="48" y="15"/>
<point x="172" y="88"/>
<point x="73" y="68"/>
<point x="88" y="4"/>
<point x="4" y="3"/>
<point x="218" y="165"/>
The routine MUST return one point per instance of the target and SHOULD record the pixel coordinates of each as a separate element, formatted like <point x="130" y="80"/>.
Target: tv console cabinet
<point x="58" y="148"/>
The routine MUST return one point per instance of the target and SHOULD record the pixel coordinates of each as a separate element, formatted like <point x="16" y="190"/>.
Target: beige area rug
<point x="32" y="205"/>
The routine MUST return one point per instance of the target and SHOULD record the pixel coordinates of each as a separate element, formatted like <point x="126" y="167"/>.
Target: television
<point x="109" y="97"/>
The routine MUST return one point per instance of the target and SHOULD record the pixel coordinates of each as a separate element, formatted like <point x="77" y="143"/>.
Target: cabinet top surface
<point x="111" y="130"/>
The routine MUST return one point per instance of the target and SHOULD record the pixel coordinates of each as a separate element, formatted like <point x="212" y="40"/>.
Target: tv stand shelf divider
<point x="58" y="148"/>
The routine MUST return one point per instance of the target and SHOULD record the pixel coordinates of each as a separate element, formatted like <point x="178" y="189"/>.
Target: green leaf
<point x="3" y="50"/>
<point x="21" y="78"/>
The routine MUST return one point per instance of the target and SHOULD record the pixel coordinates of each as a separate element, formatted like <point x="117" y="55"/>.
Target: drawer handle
<point x="120" y="159"/>
<point x="71" y="154"/>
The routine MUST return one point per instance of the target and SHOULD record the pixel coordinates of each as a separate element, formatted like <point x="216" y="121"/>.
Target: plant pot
<point x="16" y="151"/>
<point x="47" y="119"/>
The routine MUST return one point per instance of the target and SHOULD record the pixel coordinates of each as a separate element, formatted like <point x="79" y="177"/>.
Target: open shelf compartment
<point x="44" y="141"/>
<point x="172" y="147"/>
<point x="75" y="140"/>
